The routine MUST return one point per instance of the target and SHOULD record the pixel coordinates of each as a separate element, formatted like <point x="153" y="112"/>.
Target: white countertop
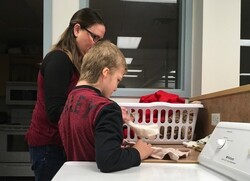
<point x="78" y="171"/>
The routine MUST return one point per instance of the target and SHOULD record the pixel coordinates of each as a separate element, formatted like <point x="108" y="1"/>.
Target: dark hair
<point x="86" y="17"/>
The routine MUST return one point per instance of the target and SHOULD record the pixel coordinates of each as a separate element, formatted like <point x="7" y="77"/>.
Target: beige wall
<point x="216" y="45"/>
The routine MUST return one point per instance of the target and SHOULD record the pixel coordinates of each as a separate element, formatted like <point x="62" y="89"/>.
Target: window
<point x="155" y="37"/>
<point x="245" y="44"/>
<point x="158" y="40"/>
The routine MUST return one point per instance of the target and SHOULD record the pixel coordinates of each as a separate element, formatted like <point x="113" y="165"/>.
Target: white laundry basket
<point x="176" y="121"/>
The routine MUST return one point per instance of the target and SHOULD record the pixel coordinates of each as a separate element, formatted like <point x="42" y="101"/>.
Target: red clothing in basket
<point x="161" y="96"/>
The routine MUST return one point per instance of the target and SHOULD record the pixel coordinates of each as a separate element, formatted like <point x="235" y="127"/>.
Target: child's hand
<point x="145" y="149"/>
<point x="126" y="116"/>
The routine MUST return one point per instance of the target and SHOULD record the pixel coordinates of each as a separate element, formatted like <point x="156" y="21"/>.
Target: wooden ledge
<point x="237" y="90"/>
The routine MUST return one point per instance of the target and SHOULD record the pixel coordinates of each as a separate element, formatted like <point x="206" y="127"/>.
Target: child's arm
<point x="110" y="156"/>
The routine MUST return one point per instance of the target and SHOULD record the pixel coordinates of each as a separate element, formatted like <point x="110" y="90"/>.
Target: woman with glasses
<point x="58" y="75"/>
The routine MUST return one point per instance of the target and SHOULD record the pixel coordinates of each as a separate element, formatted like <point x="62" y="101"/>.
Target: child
<point x="91" y="124"/>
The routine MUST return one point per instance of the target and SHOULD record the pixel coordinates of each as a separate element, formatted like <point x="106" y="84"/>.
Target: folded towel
<point x="163" y="153"/>
<point x="174" y="154"/>
<point x="197" y="145"/>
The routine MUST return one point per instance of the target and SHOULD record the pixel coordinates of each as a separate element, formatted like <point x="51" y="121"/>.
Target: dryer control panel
<point x="228" y="150"/>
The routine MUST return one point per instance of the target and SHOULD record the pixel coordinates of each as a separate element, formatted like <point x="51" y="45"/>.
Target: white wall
<point x="216" y="45"/>
<point x="216" y="42"/>
<point x="62" y="11"/>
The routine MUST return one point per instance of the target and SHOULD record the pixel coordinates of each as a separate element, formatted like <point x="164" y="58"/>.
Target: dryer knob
<point x="221" y="142"/>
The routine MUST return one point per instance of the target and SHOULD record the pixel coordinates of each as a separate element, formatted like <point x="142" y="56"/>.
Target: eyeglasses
<point x="95" y="37"/>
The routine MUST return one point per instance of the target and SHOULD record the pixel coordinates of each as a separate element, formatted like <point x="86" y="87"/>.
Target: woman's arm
<point x="57" y="70"/>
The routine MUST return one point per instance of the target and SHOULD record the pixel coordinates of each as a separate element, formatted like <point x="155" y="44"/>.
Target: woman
<point x="58" y="75"/>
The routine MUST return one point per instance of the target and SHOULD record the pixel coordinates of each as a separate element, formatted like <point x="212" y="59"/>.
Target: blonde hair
<point x="102" y="54"/>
